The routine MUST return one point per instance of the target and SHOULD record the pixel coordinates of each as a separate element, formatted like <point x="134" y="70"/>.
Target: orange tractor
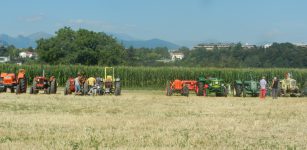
<point x="180" y="87"/>
<point x="49" y="85"/>
<point x="15" y="83"/>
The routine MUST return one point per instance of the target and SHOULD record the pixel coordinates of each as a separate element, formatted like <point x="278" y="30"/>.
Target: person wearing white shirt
<point x="263" y="88"/>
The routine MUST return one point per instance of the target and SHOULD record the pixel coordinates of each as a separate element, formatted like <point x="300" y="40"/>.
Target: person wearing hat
<point x="274" y="87"/>
<point x="263" y="88"/>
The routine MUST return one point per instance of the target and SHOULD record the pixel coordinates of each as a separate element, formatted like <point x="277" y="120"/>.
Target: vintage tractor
<point x="181" y="87"/>
<point x="288" y="87"/>
<point x="49" y="85"/>
<point x="111" y="86"/>
<point x="15" y="84"/>
<point x="70" y="86"/>
<point x="246" y="88"/>
<point x="217" y="86"/>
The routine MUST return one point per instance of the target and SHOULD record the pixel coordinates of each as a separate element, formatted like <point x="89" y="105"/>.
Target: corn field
<point x="153" y="77"/>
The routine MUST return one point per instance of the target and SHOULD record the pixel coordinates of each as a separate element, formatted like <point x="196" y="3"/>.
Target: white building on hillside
<point x="4" y="59"/>
<point x="176" y="56"/>
<point x="27" y="54"/>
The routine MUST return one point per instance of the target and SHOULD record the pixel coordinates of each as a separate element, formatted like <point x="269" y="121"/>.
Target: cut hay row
<point x="154" y="77"/>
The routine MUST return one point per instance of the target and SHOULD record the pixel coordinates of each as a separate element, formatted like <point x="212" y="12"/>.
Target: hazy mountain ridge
<point x="127" y="40"/>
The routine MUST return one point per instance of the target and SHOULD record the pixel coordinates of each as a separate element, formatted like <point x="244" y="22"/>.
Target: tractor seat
<point x="109" y="79"/>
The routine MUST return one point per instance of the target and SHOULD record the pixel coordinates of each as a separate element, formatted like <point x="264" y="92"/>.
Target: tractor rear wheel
<point x="23" y="85"/>
<point x="117" y="89"/>
<point x="53" y="87"/>
<point x="200" y="91"/>
<point x="185" y="91"/>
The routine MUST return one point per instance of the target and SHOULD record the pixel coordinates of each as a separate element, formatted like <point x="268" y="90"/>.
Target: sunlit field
<point x="151" y="120"/>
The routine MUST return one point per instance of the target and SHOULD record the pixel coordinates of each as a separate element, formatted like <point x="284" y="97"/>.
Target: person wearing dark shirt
<point x="275" y="88"/>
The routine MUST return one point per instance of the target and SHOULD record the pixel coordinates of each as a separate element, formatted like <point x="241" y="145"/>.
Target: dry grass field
<point x="150" y="120"/>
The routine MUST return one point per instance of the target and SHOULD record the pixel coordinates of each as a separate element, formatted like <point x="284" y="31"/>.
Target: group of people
<point x="274" y="87"/>
<point x="94" y="84"/>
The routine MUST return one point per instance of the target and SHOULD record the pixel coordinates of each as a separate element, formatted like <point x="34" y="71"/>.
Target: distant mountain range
<point x="23" y="41"/>
<point x="30" y="40"/>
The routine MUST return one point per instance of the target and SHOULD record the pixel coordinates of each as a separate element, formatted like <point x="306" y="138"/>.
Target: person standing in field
<point x="77" y="84"/>
<point x="263" y="88"/>
<point x="91" y="81"/>
<point x="274" y="87"/>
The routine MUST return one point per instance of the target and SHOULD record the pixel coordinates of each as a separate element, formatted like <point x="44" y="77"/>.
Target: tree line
<point x="278" y="55"/>
<point x="97" y="48"/>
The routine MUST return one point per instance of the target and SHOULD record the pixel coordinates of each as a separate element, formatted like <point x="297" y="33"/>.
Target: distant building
<point x="27" y="55"/>
<point x="4" y="59"/>
<point x="300" y="45"/>
<point x="267" y="45"/>
<point x="211" y="46"/>
<point x="176" y="56"/>
<point x="248" y="46"/>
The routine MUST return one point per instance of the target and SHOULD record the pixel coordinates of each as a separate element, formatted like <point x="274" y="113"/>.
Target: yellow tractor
<point x="111" y="85"/>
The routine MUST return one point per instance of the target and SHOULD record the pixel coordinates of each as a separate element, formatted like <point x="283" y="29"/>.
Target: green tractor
<point x="246" y="88"/>
<point x="217" y="86"/>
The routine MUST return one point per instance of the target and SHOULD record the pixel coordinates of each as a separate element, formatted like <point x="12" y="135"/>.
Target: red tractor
<point x="181" y="87"/>
<point x="15" y="84"/>
<point x="42" y="83"/>
<point x="70" y="86"/>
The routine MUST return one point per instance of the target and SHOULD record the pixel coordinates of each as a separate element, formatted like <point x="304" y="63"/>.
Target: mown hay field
<point x="150" y="120"/>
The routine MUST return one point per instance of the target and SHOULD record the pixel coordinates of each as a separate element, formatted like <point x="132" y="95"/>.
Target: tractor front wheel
<point x="185" y="91"/>
<point x="169" y="91"/>
<point x="244" y="92"/>
<point x="200" y="91"/>
<point x="12" y="90"/>
<point x="17" y="89"/>
<point x="65" y="91"/>
<point x="53" y="87"/>
<point x="225" y="91"/>
<point x="31" y="90"/>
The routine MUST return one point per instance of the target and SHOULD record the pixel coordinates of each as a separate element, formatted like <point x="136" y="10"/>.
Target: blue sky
<point x="179" y="21"/>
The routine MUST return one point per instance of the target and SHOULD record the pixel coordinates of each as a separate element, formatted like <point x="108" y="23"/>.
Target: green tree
<point x="80" y="47"/>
